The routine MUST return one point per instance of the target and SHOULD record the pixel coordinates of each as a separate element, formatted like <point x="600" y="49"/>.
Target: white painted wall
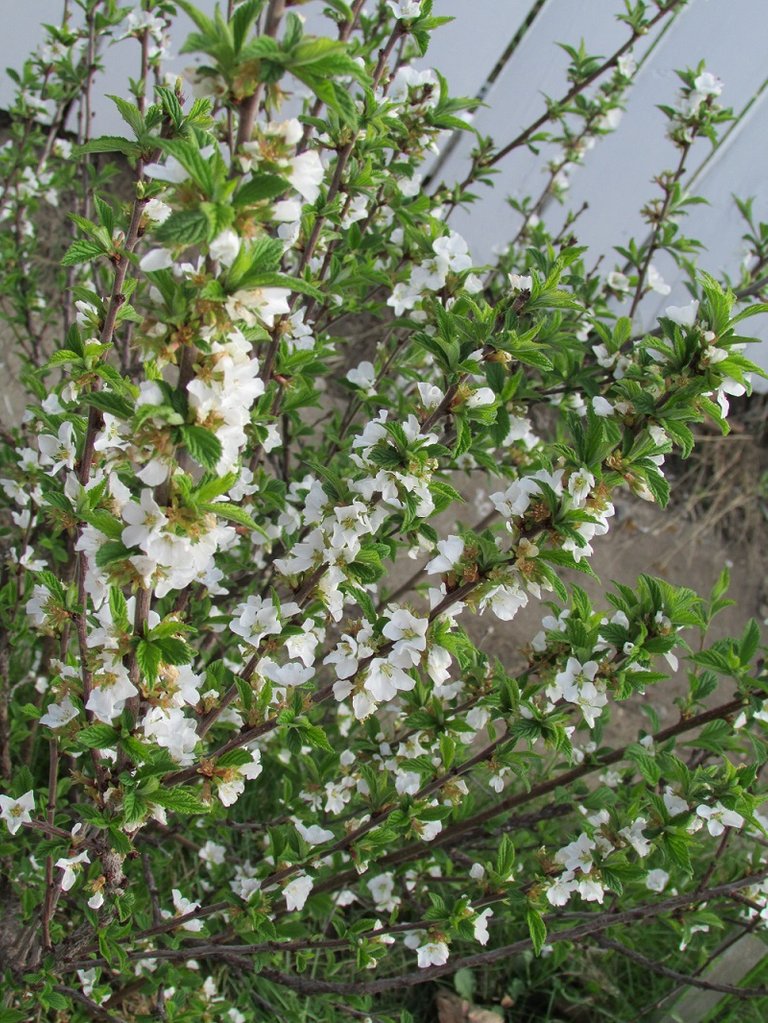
<point x="730" y="35"/>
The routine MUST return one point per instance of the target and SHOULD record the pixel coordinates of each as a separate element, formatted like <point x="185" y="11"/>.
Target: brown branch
<point x="453" y="832"/>
<point x="578" y="87"/>
<point x="249" y="106"/>
<point x="685" y="979"/>
<point x="342" y="160"/>
<point x="92" y="1008"/>
<point x="49" y="900"/>
<point x="311" y="986"/>
<point x="669" y="188"/>
<point x="460" y="830"/>
<point x="6" y="767"/>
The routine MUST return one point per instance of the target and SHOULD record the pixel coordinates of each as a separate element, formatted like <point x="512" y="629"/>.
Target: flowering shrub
<point x="248" y="756"/>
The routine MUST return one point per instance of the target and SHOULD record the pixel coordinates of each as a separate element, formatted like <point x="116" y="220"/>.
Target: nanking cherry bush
<point x="289" y="452"/>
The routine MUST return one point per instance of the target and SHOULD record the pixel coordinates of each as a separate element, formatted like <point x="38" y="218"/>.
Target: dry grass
<point x="722" y="488"/>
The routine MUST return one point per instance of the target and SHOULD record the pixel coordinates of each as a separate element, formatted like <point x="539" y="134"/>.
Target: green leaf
<point x="60" y="358"/>
<point x="676" y="844"/>
<point x="174" y="650"/>
<point x="129" y="113"/>
<point x="750" y="641"/>
<point x="105" y="401"/>
<point x="105" y="522"/>
<point x="148" y="658"/>
<point x="184" y="227"/>
<point x="234" y="513"/>
<point x="333" y="94"/>
<point x="262" y="257"/>
<point x="53" y="585"/>
<point x="12" y="1016"/>
<point x="314" y="735"/>
<point x="97" y="737"/>
<point x="180" y="800"/>
<point x="261" y="186"/>
<point x="203" y="446"/>
<point x="505" y="857"/>
<point x="112" y="550"/>
<point x="211" y="487"/>
<point x="81" y="251"/>
<point x="243" y="19"/>
<point x="135" y="808"/>
<point x="464" y="983"/>
<point x="108" y="144"/>
<point x="537" y="929"/>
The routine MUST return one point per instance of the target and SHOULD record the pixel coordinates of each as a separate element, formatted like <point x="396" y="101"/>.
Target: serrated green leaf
<point x="109" y="144"/>
<point x="174" y="650"/>
<point x="148" y="658"/>
<point x="203" y="446"/>
<point x="105" y="522"/>
<point x="135" y="808"/>
<point x="179" y="800"/>
<point x="537" y="929"/>
<point x="81" y="251"/>
<point x="260" y="187"/>
<point x="105" y="401"/>
<point x="97" y="737"/>
<point x="234" y="513"/>
<point x="111" y="551"/>
<point x="185" y="227"/>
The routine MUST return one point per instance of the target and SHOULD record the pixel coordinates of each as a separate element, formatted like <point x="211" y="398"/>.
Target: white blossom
<point x="16" y="812"/>
<point x="59" y="714"/>
<point x="577" y="855"/>
<point x="634" y="835"/>
<point x="212" y="854"/>
<point x="58" y="452"/>
<point x="433" y="953"/>
<point x="156" y="259"/>
<point x="384" y="680"/>
<point x="306" y="174"/>
<point x="363" y="376"/>
<point x="183" y="906"/>
<point x="405" y="8"/>
<point x="719" y="817"/>
<point x="296" y="892"/>
<point x="656" y="880"/>
<point x="520" y="282"/>
<point x="71" y="865"/>
<point x="314" y="834"/>
<point x="682" y="315"/>
<point x="480" y="926"/>
<point x="656" y="282"/>
<point x="112" y="686"/>
<point x="225" y="247"/>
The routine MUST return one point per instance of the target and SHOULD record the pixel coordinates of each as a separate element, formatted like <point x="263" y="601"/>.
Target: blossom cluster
<point x="258" y="564"/>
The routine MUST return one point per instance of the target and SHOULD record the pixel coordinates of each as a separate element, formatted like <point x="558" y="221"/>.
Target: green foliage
<point x="273" y="505"/>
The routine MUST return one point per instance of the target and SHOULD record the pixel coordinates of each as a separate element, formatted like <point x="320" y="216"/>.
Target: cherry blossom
<point x="183" y="906"/>
<point x="58" y="452"/>
<point x="59" y="714"/>
<point x="71" y="866"/>
<point x="16" y="812"/>
<point x="433" y="953"/>
<point x="683" y="315"/>
<point x="296" y="892"/>
<point x="719" y="817"/>
<point x="656" y="880"/>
